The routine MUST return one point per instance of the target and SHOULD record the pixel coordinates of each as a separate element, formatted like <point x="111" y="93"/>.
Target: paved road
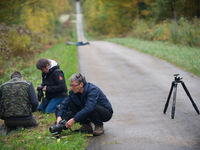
<point x="137" y="86"/>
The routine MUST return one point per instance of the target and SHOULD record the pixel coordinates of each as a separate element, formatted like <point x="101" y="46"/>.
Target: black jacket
<point x="55" y="82"/>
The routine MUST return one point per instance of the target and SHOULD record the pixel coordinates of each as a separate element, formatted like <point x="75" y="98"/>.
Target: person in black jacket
<point x="86" y="104"/>
<point x="53" y="84"/>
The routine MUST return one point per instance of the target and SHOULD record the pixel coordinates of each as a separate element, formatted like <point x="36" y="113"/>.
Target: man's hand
<point x="44" y="88"/>
<point x="58" y="120"/>
<point x="70" y="123"/>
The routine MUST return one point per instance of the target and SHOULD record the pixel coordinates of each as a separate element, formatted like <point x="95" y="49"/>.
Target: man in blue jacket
<point x="86" y="104"/>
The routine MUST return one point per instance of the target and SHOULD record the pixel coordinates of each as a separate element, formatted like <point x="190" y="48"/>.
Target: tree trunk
<point x="173" y="8"/>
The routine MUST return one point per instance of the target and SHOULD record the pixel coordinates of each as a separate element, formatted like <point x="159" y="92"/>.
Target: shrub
<point x="161" y="32"/>
<point x="184" y="32"/>
<point x="187" y="32"/>
<point x="174" y="34"/>
<point x="4" y="50"/>
<point x="141" y="29"/>
<point x="19" y="43"/>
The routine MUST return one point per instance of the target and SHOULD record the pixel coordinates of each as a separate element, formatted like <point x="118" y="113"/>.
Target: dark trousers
<point x="98" y="116"/>
<point x="21" y="122"/>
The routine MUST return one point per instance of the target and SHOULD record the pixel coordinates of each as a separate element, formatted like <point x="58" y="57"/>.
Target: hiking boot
<point x="86" y="128"/>
<point x="98" y="130"/>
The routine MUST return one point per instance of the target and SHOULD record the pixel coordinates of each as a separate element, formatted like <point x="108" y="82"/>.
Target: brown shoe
<point x="98" y="130"/>
<point x="86" y="128"/>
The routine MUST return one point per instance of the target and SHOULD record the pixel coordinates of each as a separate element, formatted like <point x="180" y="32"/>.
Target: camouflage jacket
<point x="15" y="98"/>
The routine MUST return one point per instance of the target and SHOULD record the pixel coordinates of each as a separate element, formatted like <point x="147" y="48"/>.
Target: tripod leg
<point x="188" y="94"/>
<point x="167" y="103"/>
<point x="174" y="101"/>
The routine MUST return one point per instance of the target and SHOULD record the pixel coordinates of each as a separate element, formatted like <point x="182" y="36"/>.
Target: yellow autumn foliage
<point x="29" y="24"/>
<point x="19" y="43"/>
<point x="112" y="17"/>
<point x="38" y="22"/>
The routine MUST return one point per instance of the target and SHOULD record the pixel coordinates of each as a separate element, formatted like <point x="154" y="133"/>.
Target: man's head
<point x="43" y="65"/>
<point x="16" y="74"/>
<point x="77" y="83"/>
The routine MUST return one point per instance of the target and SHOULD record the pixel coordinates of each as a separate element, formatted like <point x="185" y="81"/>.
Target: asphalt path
<point x="138" y="85"/>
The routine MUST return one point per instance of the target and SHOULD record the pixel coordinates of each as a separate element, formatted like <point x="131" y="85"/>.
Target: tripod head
<point x="177" y="77"/>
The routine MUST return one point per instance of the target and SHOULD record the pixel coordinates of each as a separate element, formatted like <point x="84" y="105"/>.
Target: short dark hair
<point x="16" y="74"/>
<point x="42" y="63"/>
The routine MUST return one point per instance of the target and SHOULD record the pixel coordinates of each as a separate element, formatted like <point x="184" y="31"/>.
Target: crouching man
<point x="86" y="104"/>
<point x="17" y="102"/>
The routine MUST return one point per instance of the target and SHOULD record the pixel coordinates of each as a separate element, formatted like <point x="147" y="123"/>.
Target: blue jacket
<point x="87" y="101"/>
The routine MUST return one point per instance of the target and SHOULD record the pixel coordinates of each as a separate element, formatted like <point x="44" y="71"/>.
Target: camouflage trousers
<point x="13" y="124"/>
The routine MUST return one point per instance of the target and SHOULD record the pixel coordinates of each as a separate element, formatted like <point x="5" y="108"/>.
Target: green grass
<point x="40" y="138"/>
<point x="187" y="58"/>
<point x="66" y="56"/>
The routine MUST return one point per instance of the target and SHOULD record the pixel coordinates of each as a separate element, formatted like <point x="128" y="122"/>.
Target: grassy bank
<point x="187" y="58"/>
<point x="29" y="26"/>
<point x="39" y="138"/>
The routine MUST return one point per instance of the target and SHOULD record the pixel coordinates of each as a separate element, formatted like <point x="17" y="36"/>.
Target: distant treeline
<point x="168" y="20"/>
<point x="28" y="25"/>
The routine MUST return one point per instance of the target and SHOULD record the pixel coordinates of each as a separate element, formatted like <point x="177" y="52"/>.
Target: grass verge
<point x="187" y="58"/>
<point x="40" y="138"/>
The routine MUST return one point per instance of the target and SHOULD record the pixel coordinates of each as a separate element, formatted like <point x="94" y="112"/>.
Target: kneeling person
<point x="86" y="104"/>
<point x="17" y="102"/>
<point x="53" y="84"/>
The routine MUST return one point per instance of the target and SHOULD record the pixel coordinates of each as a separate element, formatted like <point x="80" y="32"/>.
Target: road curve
<point x="137" y="86"/>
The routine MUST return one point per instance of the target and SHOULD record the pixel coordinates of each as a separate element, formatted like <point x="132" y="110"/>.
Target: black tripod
<point x="177" y="80"/>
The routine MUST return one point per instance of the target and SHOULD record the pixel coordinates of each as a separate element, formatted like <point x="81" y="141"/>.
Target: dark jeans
<point x="98" y="116"/>
<point x="21" y="122"/>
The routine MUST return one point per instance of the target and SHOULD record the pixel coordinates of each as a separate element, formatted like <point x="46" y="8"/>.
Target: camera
<point x="40" y="92"/>
<point x="57" y="129"/>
